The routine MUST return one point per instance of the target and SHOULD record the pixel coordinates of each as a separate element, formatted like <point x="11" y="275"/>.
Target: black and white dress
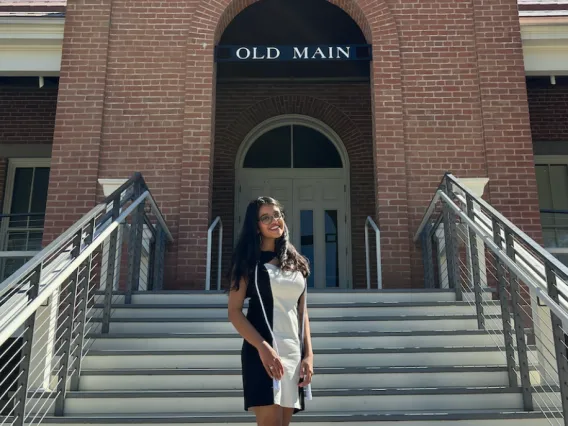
<point x="280" y="291"/>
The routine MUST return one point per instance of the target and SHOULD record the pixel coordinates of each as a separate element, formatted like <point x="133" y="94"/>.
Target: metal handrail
<point x="216" y="222"/>
<point x="478" y="249"/>
<point x="557" y="265"/>
<point x="51" y="248"/>
<point x="371" y="222"/>
<point x="498" y="251"/>
<point x="16" y="322"/>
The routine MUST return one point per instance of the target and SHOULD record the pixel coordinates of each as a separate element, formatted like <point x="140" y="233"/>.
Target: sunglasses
<point x="267" y="219"/>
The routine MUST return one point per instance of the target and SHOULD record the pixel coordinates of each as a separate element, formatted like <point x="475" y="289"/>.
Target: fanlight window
<point x="293" y="146"/>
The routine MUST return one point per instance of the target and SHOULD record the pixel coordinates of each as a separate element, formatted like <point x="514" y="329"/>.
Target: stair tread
<point x="341" y="304"/>
<point x="214" y="335"/>
<point x="376" y="318"/>
<point x="319" y="351"/>
<point x="322" y="370"/>
<point x="307" y="415"/>
<point x="352" y="392"/>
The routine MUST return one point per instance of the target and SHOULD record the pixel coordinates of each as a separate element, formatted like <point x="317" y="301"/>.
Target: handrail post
<point x="216" y="222"/>
<point x="67" y="330"/>
<point x="219" y="256"/>
<point x="159" y="252"/>
<point x="427" y="259"/>
<point x="369" y="222"/>
<point x="450" y="242"/>
<point x="113" y="248"/>
<point x="473" y="249"/>
<point x="367" y="260"/>
<point x="83" y="287"/>
<point x="559" y="342"/>
<point x="519" y="327"/>
<point x="20" y="399"/>
<point x="505" y="311"/>
<point x="135" y="246"/>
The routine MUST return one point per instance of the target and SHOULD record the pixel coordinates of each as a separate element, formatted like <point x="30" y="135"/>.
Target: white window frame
<point x="547" y="160"/>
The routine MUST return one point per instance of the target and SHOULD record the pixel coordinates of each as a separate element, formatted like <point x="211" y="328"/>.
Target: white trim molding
<point x="31" y="46"/>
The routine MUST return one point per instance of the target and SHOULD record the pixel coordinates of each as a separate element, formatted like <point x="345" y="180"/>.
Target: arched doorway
<point x="302" y="163"/>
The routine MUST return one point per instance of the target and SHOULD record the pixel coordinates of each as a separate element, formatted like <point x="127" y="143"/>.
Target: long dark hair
<point x="247" y="251"/>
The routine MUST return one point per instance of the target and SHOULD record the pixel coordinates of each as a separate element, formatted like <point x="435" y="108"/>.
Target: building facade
<point x="343" y="110"/>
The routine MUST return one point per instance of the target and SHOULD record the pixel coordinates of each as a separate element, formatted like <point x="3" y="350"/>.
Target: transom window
<point x="293" y="146"/>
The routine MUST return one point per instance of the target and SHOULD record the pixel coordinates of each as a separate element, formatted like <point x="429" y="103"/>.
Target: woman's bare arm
<point x="238" y="319"/>
<point x="243" y="326"/>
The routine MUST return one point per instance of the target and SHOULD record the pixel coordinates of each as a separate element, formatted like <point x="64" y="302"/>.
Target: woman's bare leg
<point x="287" y="416"/>
<point x="270" y="415"/>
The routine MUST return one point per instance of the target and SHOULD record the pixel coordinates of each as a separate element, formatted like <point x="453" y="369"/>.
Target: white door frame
<point x="243" y="175"/>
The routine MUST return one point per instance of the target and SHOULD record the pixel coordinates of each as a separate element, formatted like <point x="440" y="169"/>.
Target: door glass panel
<point x="307" y="240"/>
<point x="331" y="249"/>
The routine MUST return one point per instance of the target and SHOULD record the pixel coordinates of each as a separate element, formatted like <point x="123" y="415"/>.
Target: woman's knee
<point x="269" y="416"/>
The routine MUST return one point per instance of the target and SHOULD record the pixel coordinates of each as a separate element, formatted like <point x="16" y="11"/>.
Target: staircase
<point x="404" y="358"/>
<point x="93" y="340"/>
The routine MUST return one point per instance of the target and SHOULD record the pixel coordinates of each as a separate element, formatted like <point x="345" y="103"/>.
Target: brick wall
<point x="346" y="108"/>
<point x="548" y="105"/>
<point x="27" y="116"/>
<point x="138" y="93"/>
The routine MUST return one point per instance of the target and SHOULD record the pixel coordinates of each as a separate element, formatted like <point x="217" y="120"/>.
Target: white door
<point x="316" y="217"/>
<point x="320" y="230"/>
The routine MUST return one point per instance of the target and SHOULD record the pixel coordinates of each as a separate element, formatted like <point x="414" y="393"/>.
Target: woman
<point x="275" y="370"/>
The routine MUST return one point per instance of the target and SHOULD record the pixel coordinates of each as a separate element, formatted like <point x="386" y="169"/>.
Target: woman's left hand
<point x="307" y="370"/>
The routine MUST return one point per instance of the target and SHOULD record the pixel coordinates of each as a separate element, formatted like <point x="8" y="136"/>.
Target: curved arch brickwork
<point x="344" y="108"/>
<point x="379" y="26"/>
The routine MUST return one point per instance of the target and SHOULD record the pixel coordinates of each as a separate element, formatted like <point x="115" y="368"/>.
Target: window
<point x="552" y="181"/>
<point x="293" y="146"/>
<point x="23" y="215"/>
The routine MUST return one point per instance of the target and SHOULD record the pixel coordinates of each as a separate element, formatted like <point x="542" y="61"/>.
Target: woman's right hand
<point x="271" y="361"/>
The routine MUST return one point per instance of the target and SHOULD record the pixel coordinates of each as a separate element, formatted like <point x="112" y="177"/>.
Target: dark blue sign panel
<point x="293" y="53"/>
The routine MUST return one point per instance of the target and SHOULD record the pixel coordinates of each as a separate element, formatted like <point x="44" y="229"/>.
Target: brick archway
<point x="357" y="142"/>
<point x="208" y="22"/>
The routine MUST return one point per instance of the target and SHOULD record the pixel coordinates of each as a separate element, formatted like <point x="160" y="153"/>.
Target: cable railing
<point x="53" y="305"/>
<point x="518" y="291"/>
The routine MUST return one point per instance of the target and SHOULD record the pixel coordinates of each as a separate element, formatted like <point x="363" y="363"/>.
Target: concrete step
<point x="325" y="378"/>
<point x="351" y="400"/>
<point x="314" y="418"/>
<point x="318" y="325"/>
<point x="230" y="358"/>
<point x="317" y="310"/>
<point x="169" y="297"/>
<point x="352" y="340"/>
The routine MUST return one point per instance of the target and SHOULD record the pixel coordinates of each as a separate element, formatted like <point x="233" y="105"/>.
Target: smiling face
<point x="270" y="221"/>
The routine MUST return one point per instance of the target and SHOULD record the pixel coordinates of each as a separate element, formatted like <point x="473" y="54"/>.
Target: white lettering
<point x="247" y="52"/>
<point x="345" y="52"/>
<point x="300" y="55"/>
<point x="255" y="54"/>
<point x="276" y="54"/>
<point x="318" y="52"/>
